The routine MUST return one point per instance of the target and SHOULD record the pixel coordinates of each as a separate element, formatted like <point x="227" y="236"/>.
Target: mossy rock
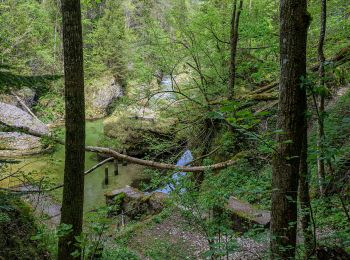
<point x="134" y="203"/>
<point x="13" y="144"/>
<point x="130" y="127"/>
<point x="100" y="95"/>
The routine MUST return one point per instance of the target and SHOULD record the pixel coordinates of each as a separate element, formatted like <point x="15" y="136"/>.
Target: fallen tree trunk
<point x="340" y="58"/>
<point x="261" y="96"/>
<point x="245" y="215"/>
<point x="165" y="166"/>
<point x="23" y="105"/>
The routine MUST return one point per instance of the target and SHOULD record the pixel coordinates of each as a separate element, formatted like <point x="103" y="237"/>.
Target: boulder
<point x="133" y="203"/>
<point x="26" y="95"/>
<point x="129" y="126"/>
<point x="245" y="215"/>
<point x="13" y="144"/>
<point x="100" y="95"/>
<point x="12" y="116"/>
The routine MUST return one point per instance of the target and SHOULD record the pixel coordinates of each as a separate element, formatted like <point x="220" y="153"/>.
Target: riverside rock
<point x="12" y="116"/>
<point x="14" y="144"/>
<point x="135" y="203"/>
<point x="100" y="96"/>
<point x="129" y="125"/>
<point x="26" y="95"/>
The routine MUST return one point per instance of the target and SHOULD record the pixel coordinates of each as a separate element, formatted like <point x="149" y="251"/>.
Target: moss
<point x="17" y="227"/>
<point x="132" y="129"/>
<point x="119" y="198"/>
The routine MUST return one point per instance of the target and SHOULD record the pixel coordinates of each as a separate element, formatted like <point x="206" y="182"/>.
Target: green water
<point x="51" y="168"/>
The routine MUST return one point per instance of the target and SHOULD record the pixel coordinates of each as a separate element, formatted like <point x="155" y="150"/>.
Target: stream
<point x="52" y="166"/>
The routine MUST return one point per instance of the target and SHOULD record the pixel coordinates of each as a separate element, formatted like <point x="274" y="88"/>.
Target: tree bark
<point x="321" y="109"/>
<point x="294" y="21"/>
<point x="233" y="46"/>
<point x="73" y="190"/>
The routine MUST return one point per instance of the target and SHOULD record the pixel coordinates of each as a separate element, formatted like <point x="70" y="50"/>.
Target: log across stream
<point x="51" y="166"/>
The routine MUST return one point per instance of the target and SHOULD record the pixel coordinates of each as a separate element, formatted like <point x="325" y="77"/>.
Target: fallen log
<point x="261" y="96"/>
<point x="245" y="215"/>
<point x="265" y="88"/>
<point x="340" y="58"/>
<point x="165" y="166"/>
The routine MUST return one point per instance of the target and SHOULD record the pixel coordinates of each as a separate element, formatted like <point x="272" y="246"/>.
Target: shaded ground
<point x="17" y="226"/>
<point x="174" y="232"/>
<point x="44" y="207"/>
<point x="174" y="238"/>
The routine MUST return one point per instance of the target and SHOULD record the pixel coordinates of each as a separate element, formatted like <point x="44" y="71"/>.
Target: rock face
<point x="244" y="215"/>
<point x="27" y="95"/>
<point x="14" y="117"/>
<point x="18" y="144"/>
<point x="134" y="203"/>
<point x="100" y="95"/>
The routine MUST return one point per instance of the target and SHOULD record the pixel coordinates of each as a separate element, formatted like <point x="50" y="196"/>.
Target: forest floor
<point x="176" y="238"/>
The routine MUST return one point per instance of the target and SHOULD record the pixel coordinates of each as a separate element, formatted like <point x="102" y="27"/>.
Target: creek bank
<point x="12" y="116"/>
<point x="135" y="205"/>
<point x="16" y="115"/>
<point x="14" y="144"/>
<point x="135" y="127"/>
<point x="132" y="127"/>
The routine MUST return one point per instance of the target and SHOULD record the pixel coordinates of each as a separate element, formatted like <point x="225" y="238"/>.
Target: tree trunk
<point x="73" y="190"/>
<point x="321" y="108"/>
<point x="233" y="46"/>
<point x="292" y="107"/>
<point x="321" y="172"/>
<point x="304" y="198"/>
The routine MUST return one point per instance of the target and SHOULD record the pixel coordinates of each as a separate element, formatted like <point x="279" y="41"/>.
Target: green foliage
<point x="106" y="42"/>
<point x="165" y="250"/>
<point x="25" y="42"/>
<point x="10" y="81"/>
<point x="17" y="226"/>
<point x="119" y="253"/>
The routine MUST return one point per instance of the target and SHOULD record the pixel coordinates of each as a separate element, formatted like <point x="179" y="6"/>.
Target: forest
<point x="175" y="129"/>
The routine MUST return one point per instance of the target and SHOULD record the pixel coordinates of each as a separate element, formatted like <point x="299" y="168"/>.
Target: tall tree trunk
<point x="294" y="21"/>
<point x="73" y="190"/>
<point x="304" y="198"/>
<point x="321" y="108"/>
<point x="236" y="13"/>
